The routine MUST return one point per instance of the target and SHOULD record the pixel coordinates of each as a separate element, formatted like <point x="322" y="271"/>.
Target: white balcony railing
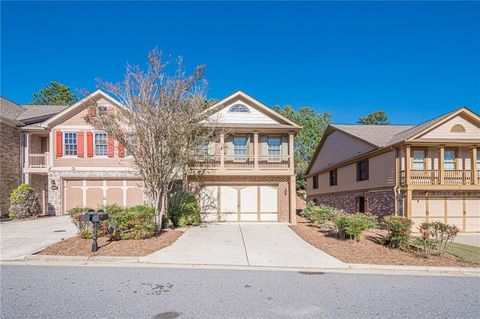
<point x="38" y="160"/>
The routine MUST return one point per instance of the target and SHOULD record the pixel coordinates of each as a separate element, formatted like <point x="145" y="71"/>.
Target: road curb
<point x="348" y="268"/>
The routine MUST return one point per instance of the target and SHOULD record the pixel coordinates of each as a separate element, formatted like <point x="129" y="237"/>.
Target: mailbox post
<point x="95" y="218"/>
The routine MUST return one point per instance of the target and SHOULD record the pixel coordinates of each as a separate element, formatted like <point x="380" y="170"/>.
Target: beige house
<point x="248" y="172"/>
<point x="428" y="172"/>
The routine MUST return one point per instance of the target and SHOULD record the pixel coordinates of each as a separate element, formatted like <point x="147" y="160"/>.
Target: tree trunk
<point x="159" y="209"/>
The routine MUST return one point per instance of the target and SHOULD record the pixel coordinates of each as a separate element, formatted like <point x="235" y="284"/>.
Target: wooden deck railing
<point x="432" y="177"/>
<point x="241" y="162"/>
<point x="38" y="160"/>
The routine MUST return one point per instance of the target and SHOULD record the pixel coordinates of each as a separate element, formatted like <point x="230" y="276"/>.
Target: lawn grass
<point x="465" y="252"/>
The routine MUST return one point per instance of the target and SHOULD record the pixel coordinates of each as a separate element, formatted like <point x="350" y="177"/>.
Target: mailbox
<point x="95" y="218"/>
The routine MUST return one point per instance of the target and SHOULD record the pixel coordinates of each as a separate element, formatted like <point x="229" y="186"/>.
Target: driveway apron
<point x="255" y="244"/>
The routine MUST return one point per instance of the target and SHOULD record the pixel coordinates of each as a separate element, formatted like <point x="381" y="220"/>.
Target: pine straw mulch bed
<point x="368" y="251"/>
<point x="77" y="246"/>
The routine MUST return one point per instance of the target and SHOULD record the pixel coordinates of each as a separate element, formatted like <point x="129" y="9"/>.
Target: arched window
<point x="238" y="108"/>
<point x="457" y="128"/>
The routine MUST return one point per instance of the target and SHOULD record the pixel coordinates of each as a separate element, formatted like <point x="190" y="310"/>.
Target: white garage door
<point x="97" y="193"/>
<point x="463" y="213"/>
<point x="233" y="203"/>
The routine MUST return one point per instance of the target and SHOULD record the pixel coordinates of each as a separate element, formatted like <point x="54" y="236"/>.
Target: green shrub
<point x="24" y="202"/>
<point x="319" y="214"/>
<point x="354" y="225"/>
<point x="84" y="228"/>
<point x="183" y="209"/>
<point x="135" y="222"/>
<point x="439" y="235"/>
<point x="398" y="231"/>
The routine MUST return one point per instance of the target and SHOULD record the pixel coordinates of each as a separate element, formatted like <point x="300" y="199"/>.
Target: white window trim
<point x="95" y="144"/>
<point x="64" y="150"/>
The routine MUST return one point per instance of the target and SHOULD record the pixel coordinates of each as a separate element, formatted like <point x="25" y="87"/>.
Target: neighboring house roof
<point x="28" y="113"/>
<point x="376" y="135"/>
<point x="9" y="109"/>
<point x="381" y="136"/>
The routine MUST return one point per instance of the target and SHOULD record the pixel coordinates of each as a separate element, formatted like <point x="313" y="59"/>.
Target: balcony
<point x="433" y="177"/>
<point x="37" y="160"/>
<point x="241" y="162"/>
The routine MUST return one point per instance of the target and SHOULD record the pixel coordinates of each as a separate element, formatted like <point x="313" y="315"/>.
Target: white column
<point x="27" y="150"/>
<point x="255" y="149"/>
<point x="291" y="151"/>
<point x="222" y="150"/>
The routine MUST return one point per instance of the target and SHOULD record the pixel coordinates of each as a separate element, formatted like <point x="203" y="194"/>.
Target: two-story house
<point x="248" y="171"/>
<point x="428" y="172"/>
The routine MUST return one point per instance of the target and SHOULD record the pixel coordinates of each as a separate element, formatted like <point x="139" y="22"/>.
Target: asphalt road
<point x="109" y="292"/>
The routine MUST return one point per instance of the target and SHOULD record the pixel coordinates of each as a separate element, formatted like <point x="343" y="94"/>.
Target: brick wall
<point x="380" y="202"/>
<point x="9" y="164"/>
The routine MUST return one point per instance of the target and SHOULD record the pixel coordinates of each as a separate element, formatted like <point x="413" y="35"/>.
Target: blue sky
<point x="415" y="60"/>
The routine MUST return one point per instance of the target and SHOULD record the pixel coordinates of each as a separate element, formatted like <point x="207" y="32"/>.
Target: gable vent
<point x="457" y="128"/>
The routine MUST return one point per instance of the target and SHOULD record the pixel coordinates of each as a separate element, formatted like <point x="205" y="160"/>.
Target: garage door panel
<point x="73" y="198"/>
<point x="248" y="200"/>
<point x="228" y="217"/>
<point x="419" y="207"/>
<point x="457" y="221"/>
<point x="455" y="207"/>
<point x="472" y="224"/>
<point x="228" y="199"/>
<point x="134" y="196"/>
<point x="94" y="197"/>
<point x="115" y="196"/>
<point x="249" y="217"/>
<point x="268" y="217"/>
<point x="436" y="207"/>
<point x="268" y="199"/>
<point x="472" y="207"/>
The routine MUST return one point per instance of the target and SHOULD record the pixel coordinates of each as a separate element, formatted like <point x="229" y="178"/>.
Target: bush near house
<point x="398" y="231"/>
<point x="183" y="209"/>
<point x="354" y="225"/>
<point x="136" y="222"/>
<point x="436" y="236"/>
<point x="319" y="214"/>
<point x="24" y="202"/>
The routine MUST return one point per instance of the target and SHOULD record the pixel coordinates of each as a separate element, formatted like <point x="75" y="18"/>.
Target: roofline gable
<point x="241" y="94"/>
<point x="71" y="109"/>
<point x="461" y="110"/>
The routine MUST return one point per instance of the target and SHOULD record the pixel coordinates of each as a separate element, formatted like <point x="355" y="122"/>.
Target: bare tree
<point x="162" y="122"/>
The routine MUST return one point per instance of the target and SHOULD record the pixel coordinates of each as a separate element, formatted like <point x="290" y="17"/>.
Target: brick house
<point x="427" y="172"/>
<point x="249" y="171"/>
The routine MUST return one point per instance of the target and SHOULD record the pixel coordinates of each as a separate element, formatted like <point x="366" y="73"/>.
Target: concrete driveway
<point x="274" y="245"/>
<point x="468" y="239"/>
<point x="21" y="238"/>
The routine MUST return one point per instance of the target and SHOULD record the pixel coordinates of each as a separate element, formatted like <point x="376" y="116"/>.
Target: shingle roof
<point x="385" y="135"/>
<point x="35" y="111"/>
<point x="378" y="135"/>
<point x="9" y="109"/>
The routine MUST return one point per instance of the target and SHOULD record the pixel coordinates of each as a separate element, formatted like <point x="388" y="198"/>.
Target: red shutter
<point x="121" y="149"/>
<point x="110" y="111"/>
<point x="89" y="144"/>
<point x="80" y="144"/>
<point x="59" y="144"/>
<point x="110" y="146"/>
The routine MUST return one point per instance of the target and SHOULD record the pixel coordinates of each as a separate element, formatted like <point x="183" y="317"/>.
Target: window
<point x="362" y="170"/>
<point x="239" y="108"/>
<point x="70" y="143"/>
<point x="478" y="160"/>
<point x="457" y="128"/>
<point x="133" y="141"/>
<point x="449" y="160"/>
<point x="333" y="177"/>
<point x="274" y="145"/>
<point x="203" y="148"/>
<point x="315" y="182"/>
<point x="418" y="160"/>
<point x="361" y="204"/>
<point x="102" y="110"/>
<point x="240" y="148"/>
<point x="101" y="148"/>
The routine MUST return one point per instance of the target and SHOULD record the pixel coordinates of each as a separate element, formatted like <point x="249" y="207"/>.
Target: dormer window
<point x="239" y="108"/>
<point x="102" y="110"/>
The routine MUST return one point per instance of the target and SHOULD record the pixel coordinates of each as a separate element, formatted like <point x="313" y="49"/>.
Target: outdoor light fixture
<point x="54" y="186"/>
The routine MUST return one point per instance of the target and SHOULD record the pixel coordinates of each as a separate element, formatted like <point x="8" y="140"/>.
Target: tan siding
<point x="472" y="130"/>
<point x="381" y="174"/>
<point x="337" y="148"/>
